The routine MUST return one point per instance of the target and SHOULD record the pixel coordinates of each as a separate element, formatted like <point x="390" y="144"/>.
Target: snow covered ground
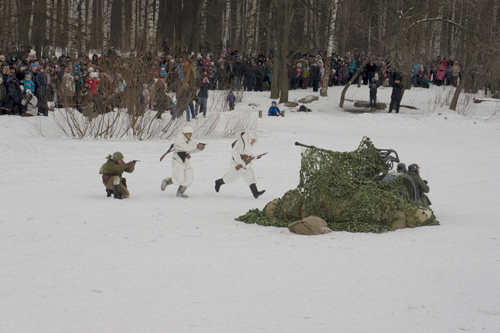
<point x="73" y="260"/>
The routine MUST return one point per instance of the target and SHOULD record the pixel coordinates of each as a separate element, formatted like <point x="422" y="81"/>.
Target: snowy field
<point x="73" y="260"/>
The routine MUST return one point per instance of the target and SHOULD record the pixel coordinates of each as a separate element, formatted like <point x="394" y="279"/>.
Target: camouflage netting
<point x="344" y="189"/>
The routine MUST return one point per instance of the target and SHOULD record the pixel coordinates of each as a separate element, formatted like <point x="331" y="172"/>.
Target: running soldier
<point x="182" y="171"/>
<point x="241" y="163"/>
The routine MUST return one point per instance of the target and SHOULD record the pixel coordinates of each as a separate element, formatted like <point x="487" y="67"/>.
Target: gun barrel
<point x="303" y="145"/>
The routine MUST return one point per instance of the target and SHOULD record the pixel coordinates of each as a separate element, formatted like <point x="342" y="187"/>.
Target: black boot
<point x="165" y="182"/>
<point x="116" y="192"/>
<point x="218" y="184"/>
<point x="256" y="193"/>
<point x="180" y="192"/>
<point x="109" y="192"/>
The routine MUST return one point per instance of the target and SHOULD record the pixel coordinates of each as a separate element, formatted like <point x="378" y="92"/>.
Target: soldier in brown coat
<point x="112" y="171"/>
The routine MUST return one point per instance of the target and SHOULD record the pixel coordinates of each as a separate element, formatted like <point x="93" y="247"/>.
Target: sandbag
<point x="422" y="215"/>
<point x="269" y="209"/>
<point x="291" y="205"/>
<point x="400" y="222"/>
<point x="311" y="225"/>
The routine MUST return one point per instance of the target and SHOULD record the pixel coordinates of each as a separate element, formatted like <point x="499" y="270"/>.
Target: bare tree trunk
<point x="331" y="30"/>
<point x="116" y="24"/>
<point x="225" y="25"/>
<point x="203" y="32"/>
<point x="283" y="12"/>
<point x="177" y="25"/>
<point x="23" y="7"/>
<point x="196" y="31"/>
<point x="128" y="19"/>
<point x="79" y="27"/>
<point x="40" y="24"/>
<point x="342" y="96"/>
<point x="456" y="95"/>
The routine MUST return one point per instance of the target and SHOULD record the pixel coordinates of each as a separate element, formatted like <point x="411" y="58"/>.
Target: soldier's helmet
<point x="117" y="156"/>
<point x="401" y="167"/>
<point x="413" y="167"/>
<point x="187" y="129"/>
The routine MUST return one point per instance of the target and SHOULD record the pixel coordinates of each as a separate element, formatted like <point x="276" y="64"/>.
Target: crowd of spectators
<point x="140" y="82"/>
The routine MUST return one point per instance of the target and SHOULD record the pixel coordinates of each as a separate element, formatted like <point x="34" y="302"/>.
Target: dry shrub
<point x="221" y="123"/>
<point x="146" y="124"/>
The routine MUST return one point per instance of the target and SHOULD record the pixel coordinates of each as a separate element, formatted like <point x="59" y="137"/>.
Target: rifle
<point x="250" y="159"/>
<point x="168" y="151"/>
<point x="135" y="161"/>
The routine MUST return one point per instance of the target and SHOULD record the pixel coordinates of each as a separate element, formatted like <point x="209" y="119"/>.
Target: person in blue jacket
<point x="273" y="110"/>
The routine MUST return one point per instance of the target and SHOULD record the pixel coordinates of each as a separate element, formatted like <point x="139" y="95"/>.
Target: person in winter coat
<point x="315" y="76"/>
<point x="292" y="76"/>
<point x="259" y="76"/>
<point x="396" y="96"/>
<point x="440" y="73"/>
<point x="221" y="75"/>
<point x="79" y="86"/>
<point x="28" y="83"/>
<point x="3" y="94"/>
<point x="30" y="105"/>
<point x="182" y="171"/>
<point x="371" y="69"/>
<point x="241" y="163"/>
<point x="212" y="74"/>
<point x="274" y="110"/>
<point x="42" y="92"/>
<point x="14" y="95"/>
<point x="421" y="80"/>
<point x="420" y="185"/>
<point x="373" y="95"/>
<point x="401" y="168"/>
<point x="163" y="72"/>
<point x="238" y="72"/>
<point x="231" y="99"/>
<point x="352" y="68"/>
<point x="145" y="97"/>
<point x="248" y="73"/>
<point x="203" y="96"/>
<point x="112" y="179"/>
<point x="111" y="51"/>
<point x="67" y="88"/>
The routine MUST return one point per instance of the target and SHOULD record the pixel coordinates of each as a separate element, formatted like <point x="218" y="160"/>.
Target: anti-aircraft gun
<point x="405" y="190"/>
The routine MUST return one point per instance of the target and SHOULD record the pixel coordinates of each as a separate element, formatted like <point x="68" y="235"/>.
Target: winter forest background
<point x="462" y="29"/>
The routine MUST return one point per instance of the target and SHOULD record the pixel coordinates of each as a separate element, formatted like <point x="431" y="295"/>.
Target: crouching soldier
<point x="241" y="164"/>
<point x="182" y="171"/>
<point x="112" y="178"/>
<point x="420" y="185"/>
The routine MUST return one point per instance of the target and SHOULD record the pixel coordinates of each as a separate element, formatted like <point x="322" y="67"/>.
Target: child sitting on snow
<point x="273" y="110"/>
<point x="231" y="99"/>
